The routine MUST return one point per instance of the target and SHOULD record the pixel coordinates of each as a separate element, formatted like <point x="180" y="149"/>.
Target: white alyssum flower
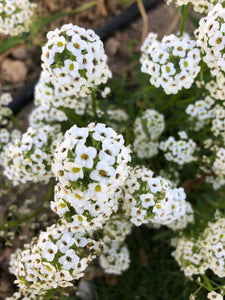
<point x="214" y="296"/>
<point x="116" y="229"/>
<point x="184" y="220"/>
<point x="5" y="111"/>
<point x="49" y="95"/>
<point x="16" y="16"/>
<point x="90" y="164"/>
<point x="217" y="169"/>
<point x="211" y="39"/>
<point x="115" y="258"/>
<point x="190" y="256"/>
<point x="216" y="87"/>
<point x="205" y="252"/>
<point x="201" y="6"/>
<point x="54" y="259"/>
<point x="74" y="59"/>
<point x="149" y="199"/>
<point x="180" y="152"/>
<point x="29" y="158"/>
<point x="172" y="63"/>
<point x="147" y="130"/>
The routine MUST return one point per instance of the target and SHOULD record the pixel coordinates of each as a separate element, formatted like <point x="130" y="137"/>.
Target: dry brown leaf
<point x="51" y="5"/>
<point x="101" y="8"/>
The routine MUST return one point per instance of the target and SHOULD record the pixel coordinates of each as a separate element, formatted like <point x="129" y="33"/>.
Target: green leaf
<point x="47" y="20"/>
<point x="10" y="43"/>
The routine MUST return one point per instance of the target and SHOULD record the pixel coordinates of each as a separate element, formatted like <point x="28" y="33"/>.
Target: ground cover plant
<point x="121" y="178"/>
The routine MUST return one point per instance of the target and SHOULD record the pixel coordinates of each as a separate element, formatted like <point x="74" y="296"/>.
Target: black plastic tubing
<point x="124" y="19"/>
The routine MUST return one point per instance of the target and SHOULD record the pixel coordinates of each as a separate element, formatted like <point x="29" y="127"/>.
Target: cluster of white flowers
<point x="208" y="112"/>
<point x="172" y="63"/>
<point x="74" y="60"/>
<point x="218" y="170"/>
<point x="7" y="135"/>
<point x="190" y="256"/>
<point x="201" y="109"/>
<point x="206" y="252"/>
<point x="115" y="256"/>
<point x="54" y="259"/>
<point x="15" y="16"/>
<point x="41" y="116"/>
<point x="117" y="118"/>
<point x="211" y="39"/>
<point x="216" y="87"/>
<point x="48" y="95"/>
<point x="214" y="245"/>
<point x="201" y="6"/>
<point x="5" y="111"/>
<point x="218" y="121"/>
<point x="200" y="112"/>
<point x="90" y="164"/>
<point x="29" y="158"/>
<point x="147" y="130"/>
<point x="6" y="138"/>
<point x="184" y="220"/>
<point x="180" y="151"/>
<point x="152" y="199"/>
<point x="115" y="259"/>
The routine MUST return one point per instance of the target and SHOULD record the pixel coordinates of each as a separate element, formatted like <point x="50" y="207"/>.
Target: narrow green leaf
<point x="47" y="20"/>
<point x="10" y="43"/>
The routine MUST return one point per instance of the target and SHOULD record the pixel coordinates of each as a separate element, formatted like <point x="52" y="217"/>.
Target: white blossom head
<point x="147" y="130"/>
<point x="201" y="6"/>
<point x="90" y="164"/>
<point x="29" y="158"/>
<point x="115" y="258"/>
<point x="216" y="87"/>
<point x="172" y="63"/>
<point x="75" y="60"/>
<point x="54" y="259"/>
<point x="218" y="171"/>
<point x="211" y="39"/>
<point x="190" y="255"/>
<point x="5" y="111"/>
<point x="179" y="151"/>
<point x="16" y="16"/>
<point x="152" y="199"/>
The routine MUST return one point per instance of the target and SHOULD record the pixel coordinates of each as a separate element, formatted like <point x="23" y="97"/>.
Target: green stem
<point x="15" y="121"/>
<point x="143" y="105"/>
<point x="184" y="14"/>
<point x="94" y="104"/>
<point x="50" y="190"/>
<point x="207" y="282"/>
<point x="27" y="218"/>
<point x="202" y="285"/>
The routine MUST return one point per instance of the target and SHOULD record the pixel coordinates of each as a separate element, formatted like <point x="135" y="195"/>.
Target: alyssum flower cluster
<point x="108" y="180"/>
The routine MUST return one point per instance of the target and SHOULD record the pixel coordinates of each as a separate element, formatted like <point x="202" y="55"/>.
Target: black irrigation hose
<point x="130" y="14"/>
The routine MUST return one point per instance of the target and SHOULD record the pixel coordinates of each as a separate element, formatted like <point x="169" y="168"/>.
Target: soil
<point x="25" y="60"/>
